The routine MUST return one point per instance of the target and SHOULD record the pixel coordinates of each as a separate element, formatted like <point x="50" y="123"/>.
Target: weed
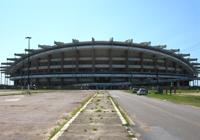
<point x="98" y="100"/>
<point x="98" y="110"/>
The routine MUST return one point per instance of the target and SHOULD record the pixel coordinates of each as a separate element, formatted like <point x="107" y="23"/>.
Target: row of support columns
<point x="77" y="58"/>
<point x="141" y="56"/>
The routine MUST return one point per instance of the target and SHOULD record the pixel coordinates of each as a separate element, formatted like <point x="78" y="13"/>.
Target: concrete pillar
<point x="110" y="58"/>
<point x="37" y="65"/>
<point x="37" y="82"/>
<point x="49" y="82"/>
<point x="62" y="61"/>
<point x="93" y="59"/>
<point x="127" y="60"/>
<point x="141" y="62"/>
<point x="77" y="59"/>
<point x="175" y="67"/>
<point x="62" y="82"/>
<point x="166" y="65"/>
<point x="155" y="63"/>
<point x="156" y="71"/>
<point x="49" y="62"/>
<point x="178" y="84"/>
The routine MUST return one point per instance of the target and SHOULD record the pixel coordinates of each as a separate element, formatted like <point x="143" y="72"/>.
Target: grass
<point x="182" y="99"/>
<point x="182" y="96"/>
<point x="188" y="91"/>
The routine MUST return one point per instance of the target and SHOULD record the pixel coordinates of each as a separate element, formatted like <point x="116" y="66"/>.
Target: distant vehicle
<point x="142" y="91"/>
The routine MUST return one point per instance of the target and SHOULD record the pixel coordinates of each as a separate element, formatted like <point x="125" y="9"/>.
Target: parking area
<point x="25" y="117"/>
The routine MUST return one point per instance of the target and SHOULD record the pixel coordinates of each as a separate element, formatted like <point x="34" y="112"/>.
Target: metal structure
<point x="101" y="64"/>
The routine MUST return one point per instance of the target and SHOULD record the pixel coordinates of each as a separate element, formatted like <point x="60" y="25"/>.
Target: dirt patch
<point x="32" y="117"/>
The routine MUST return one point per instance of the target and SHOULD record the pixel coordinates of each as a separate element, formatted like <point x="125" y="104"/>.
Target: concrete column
<point x="49" y="82"/>
<point x="77" y="59"/>
<point x="175" y="67"/>
<point x="77" y="62"/>
<point x="37" y="82"/>
<point x="49" y="62"/>
<point x="156" y="70"/>
<point x="62" y="82"/>
<point x="93" y="59"/>
<point x="155" y="63"/>
<point x="37" y="65"/>
<point x="141" y="62"/>
<point x="62" y="61"/>
<point x="110" y="58"/>
<point x="127" y="56"/>
<point x="178" y="83"/>
<point x="166" y="65"/>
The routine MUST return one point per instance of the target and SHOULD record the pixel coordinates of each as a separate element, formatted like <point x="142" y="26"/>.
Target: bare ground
<point x="32" y="117"/>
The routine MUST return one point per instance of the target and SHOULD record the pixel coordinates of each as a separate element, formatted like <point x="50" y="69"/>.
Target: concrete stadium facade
<point x="101" y="64"/>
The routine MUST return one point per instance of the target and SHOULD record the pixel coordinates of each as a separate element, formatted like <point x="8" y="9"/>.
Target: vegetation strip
<point x="58" y="131"/>
<point x="124" y="118"/>
<point x="189" y="97"/>
<point x="182" y="99"/>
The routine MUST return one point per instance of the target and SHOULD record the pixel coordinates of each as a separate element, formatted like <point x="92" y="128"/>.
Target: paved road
<point x="160" y="120"/>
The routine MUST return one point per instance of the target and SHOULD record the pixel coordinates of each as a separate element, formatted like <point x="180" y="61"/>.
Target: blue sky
<point x="172" y="22"/>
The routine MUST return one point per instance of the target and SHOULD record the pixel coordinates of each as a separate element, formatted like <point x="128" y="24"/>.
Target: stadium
<point x="101" y="65"/>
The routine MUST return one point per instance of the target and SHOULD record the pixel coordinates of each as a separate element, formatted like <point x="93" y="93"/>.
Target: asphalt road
<point x="160" y="120"/>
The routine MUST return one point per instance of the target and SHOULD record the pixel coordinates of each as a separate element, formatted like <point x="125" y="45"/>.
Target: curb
<point x="123" y="120"/>
<point x="59" y="133"/>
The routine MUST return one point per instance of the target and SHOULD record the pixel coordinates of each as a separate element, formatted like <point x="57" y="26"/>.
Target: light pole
<point x="28" y="66"/>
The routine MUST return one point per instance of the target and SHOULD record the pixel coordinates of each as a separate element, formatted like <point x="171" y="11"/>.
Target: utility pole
<point x="28" y="66"/>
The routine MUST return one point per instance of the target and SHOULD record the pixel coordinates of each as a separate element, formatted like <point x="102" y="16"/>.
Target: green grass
<point x="182" y="99"/>
<point x="188" y="91"/>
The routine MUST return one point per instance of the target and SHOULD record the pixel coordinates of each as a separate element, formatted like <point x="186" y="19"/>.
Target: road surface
<point x="160" y="120"/>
